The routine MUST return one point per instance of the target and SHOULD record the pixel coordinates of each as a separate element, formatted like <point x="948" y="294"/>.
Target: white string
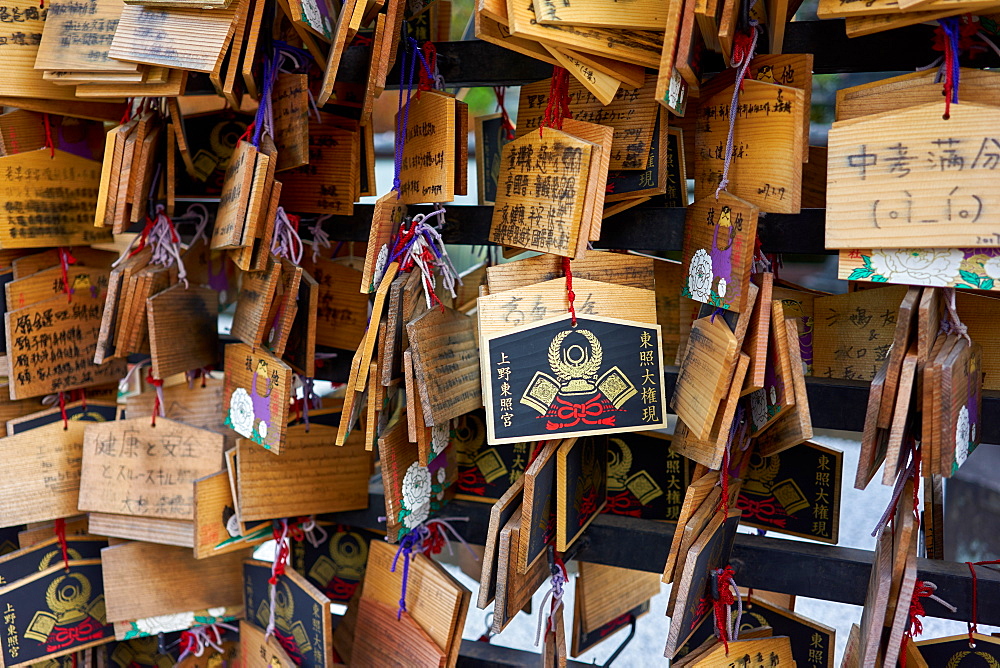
<point x="286" y="241"/>
<point x="555" y="593"/>
<point x="734" y="105"/>
<point x="320" y="238"/>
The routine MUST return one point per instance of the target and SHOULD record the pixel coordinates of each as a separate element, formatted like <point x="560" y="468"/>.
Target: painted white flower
<point x="241" y="412"/>
<point x="774" y="395"/>
<point x="262" y="429"/>
<point x="416" y="486"/>
<point x="700" y="276"/>
<point x="440" y="437"/>
<point x="992" y="268"/>
<point x="758" y="408"/>
<point x="417" y="515"/>
<point x="442" y="475"/>
<point x="152" y="626"/>
<point x="216" y="612"/>
<point x="233" y="527"/>
<point x="721" y="288"/>
<point x="962" y="432"/>
<point x="918" y="266"/>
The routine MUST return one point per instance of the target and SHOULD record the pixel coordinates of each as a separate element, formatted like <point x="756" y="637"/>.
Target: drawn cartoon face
<point x="765" y="73"/>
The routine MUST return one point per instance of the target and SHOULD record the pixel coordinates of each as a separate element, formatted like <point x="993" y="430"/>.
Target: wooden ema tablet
<point x="690" y="47"/>
<point x="34" y="262"/>
<point x="389" y="214"/>
<point x="767" y="404"/>
<point x="367" y="347"/>
<point x="44" y="337"/>
<point x="258" y="390"/>
<point x="193" y="311"/>
<point x="632" y="114"/>
<point x="406" y="301"/>
<point x="544" y="213"/>
<point x="901" y="201"/>
<point x="942" y="651"/>
<point x="21" y="37"/>
<point x="326" y="479"/>
<point x="608" y="379"/>
<point x="902" y="338"/>
<point x="778" y="650"/>
<point x="326" y="183"/>
<point x="93" y="110"/>
<point x="538" y="521"/>
<point x="711" y="450"/>
<point x="174" y="86"/>
<point x="500" y="514"/>
<point x="514" y="589"/>
<point x="718" y="251"/>
<point x="329" y="61"/>
<point x="876" y="601"/>
<point x="979" y="314"/>
<point x="641" y="15"/>
<point x="410" y="645"/>
<point x="600" y="85"/>
<point x="179" y="533"/>
<point x="632" y="46"/>
<point x="434" y="599"/>
<point x="342" y="313"/>
<point x="284" y="308"/>
<point x="961" y="406"/>
<point x="659" y="177"/>
<point x="213" y="510"/>
<point x="48" y="283"/>
<point x="705" y="369"/>
<point x="259" y="651"/>
<point x="693" y="528"/>
<point x="809" y="640"/>
<point x="502" y="311"/>
<point x="407" y="482"/>
<point x="932" y="378"/>
<point x="291" y="120"/>
<point x="912" y="89"/>
<point x="671" y="88"/>
<point x="710" y="551"/>
<point x="111" y="173"/>
<point x="610" y="591"/>
<point x="56" y="452"/>
<point x="35" y="183"/>
<point x="173" y="581"/>
<point x="496" y="32"/>
<point x="898" y="617"/>
<point x="257" y="295"/>
<point x="627" y="270"/>
<point x="828" y="9"/>
<point x="195" y="406"/>
<point x="301" y="613"/>
<point x="300" y="353"/>
<point x="429" y="167"/>
<point x="766" y="113"/>
<point x="230" y="221"/>
<point x="446" y="364"/>
<point x="758" y="333"/>
<point x="581" y="486"/>
<point x="70" y="44"/>
<point x="180" y="38"/>
<point x="262" y="206"/>
<point x="601" y="137"/>
<point x="132" y="468"/>
<point x="794" y="425"/>
<point x="44" y="629"/>
<point x="854" y="331"/>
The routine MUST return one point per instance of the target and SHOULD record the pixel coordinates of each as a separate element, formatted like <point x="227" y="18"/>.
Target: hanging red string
<point x="724" y="479"/>
<point x="61" y="534"/>
<point x="570" y="295"/>
<point x="973" y="627"/>
<point x="428" y="66"/>
<point x="157" y="383"/>
<point x="915" y="627"/>
<point x="281" y="556"/>
<point x="65" y="259"/>
<point x="49" y="144"/>
<point x="505" y="122"/>
<point x="558" y="105"/>
<point x="62" y="410"/>
<point x="720" y="605"/>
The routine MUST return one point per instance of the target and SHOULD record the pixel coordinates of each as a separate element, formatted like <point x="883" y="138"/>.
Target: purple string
<point x="406" y="547"/>
<point x="401" y="129"/>
<point x="265" y="100"/>
<point x="307" y="390"/>
<point x="951" y="28"/>
<point x="336" y="251"/>
<point x="717" y="311"/>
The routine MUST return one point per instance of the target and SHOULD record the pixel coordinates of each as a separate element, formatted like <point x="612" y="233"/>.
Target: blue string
<point x="401" y="128"/>
<point x="952" y="29"/>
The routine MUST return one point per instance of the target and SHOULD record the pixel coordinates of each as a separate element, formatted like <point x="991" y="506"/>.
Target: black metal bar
<point x="641" y="228"/>
<point x="827" y="572"/>
<point x="485" y="655"/>
<point x="478" y="63"/>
